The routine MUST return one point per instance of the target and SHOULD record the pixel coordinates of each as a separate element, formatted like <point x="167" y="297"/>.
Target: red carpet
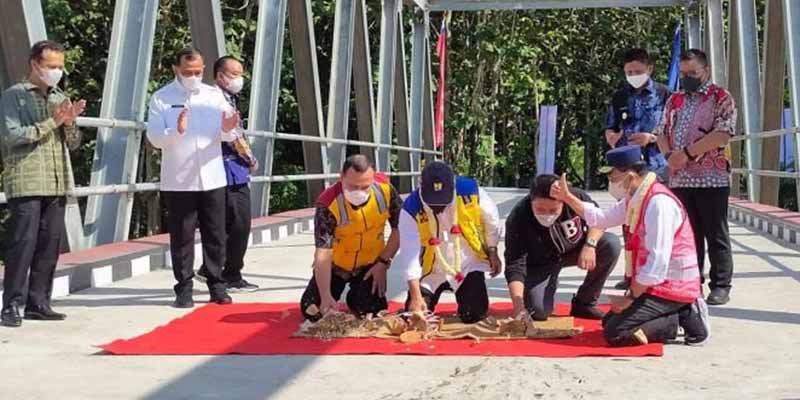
<point x="265" y="329"/>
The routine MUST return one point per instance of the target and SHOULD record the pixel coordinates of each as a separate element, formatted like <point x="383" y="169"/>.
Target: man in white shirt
<point x="188" y="120"/>
<point x="449" y="230"/>
<point x="661" y="260"/>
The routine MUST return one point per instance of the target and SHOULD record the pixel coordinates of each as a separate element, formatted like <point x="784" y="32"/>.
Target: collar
<point x="28" y="85"/>
<point x="231" y="98"/>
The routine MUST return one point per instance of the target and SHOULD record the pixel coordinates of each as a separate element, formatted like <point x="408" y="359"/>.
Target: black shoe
<point x="220" y="298"/>
<point x="585" y="311"/>
<point x="695" y="322"/>
<point x="201" y="275"/>
<point x="719" y="296"/>
<point x="624" y="284"/>
<point x="183" y="301"/>
<point x="43" y="313"/>
<point x="241" y="286"/>
<point x="11" y="317"/>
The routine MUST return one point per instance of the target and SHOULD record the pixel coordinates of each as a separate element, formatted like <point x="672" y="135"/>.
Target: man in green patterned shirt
<point x="37" y="129"/>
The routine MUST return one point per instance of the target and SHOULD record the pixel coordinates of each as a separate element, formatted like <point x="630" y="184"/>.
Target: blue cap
<point x="438" y="184"/>
<point x="623" y="157"/>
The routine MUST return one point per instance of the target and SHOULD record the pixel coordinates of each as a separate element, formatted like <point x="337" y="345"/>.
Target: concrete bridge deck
<point x="753" y="353"/>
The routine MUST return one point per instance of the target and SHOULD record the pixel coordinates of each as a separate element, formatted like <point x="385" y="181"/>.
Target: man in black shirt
<point x="542" y="236"/>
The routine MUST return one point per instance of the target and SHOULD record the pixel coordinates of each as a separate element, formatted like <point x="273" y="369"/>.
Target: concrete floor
<point x="753" y="352"/>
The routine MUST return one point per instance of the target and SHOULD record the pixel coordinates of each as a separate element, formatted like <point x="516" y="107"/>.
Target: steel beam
<point x="21" y="25"/>
<point x="772" y="106"/>
<point x="734" y="78"/>
<point x="116" y="156"/>
<point x="478" y="5"/>
<point x="266" y="87"/>
<point x="309" y="98"/>
<point x="362" y="83"/>
<point x="208" y="34"/>
<point x="427" y="106"/>
<point x="715" y="41"/>
<point x="341" y="73"/>
<point x="418" y="78"/>
<point x="750" y="106"/>
<point x="791" y="19"/>
<point x="388" y="81"/>
<point x="691" y="21"/>
<point x="405" y="160"/>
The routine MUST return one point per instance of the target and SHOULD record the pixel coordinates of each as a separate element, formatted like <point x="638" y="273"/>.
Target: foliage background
<point x="505" y="64"/>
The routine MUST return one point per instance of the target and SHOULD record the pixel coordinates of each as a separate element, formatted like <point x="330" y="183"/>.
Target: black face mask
<point x="690" y="84"/>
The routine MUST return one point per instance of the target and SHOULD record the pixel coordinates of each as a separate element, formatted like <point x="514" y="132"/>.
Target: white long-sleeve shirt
<point x="662" y="218"/>
<point x="408" y="258"/>
<point x="192" y="161"/>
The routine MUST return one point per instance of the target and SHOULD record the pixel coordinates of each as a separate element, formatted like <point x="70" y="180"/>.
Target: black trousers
<point x="237" y="227"/>
<point x="656" y="317"/>
<point x="185" y="210"/>
<point x="360" y="299"/>
<point x="541" y="282"/>
<point x="472" y="297"/>
<point x="708" y="213"/>
<point x="35" y="230"/>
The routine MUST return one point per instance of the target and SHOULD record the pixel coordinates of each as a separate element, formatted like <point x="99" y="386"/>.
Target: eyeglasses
<point x="697" y="73"/>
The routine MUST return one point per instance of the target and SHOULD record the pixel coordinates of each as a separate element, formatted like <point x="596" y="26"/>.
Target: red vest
<point x="682" y="282"/>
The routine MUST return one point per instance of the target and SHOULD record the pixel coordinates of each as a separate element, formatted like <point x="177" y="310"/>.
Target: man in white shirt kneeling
<point x="660" y="255"/>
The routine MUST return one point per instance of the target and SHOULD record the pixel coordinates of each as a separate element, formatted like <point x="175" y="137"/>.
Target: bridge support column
<point x="743" y="21"/>
<point x="791" y="19"/>
<point x="774" y="78"/>
<point x="340" y="81"/>
<point x="421" y="132"/>
<point x="21" y="25"/>
<point x="309" y="99"/>
<point x="266" y="84"/>
<point x="116" y="157"/>
<point x="386" y="85"/>
<point x="208" y="34"/>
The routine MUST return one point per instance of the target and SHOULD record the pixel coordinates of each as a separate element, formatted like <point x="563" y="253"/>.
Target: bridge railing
<point x="772" y="173"/>
<point x="136" y="126"/>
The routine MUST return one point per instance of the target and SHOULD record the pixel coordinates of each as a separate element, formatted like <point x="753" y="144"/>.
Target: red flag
<point x="441" y="48"/>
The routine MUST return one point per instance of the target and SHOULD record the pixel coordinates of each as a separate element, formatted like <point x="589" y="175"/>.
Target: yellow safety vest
<point x="469" y="220"/>
<point x="359" y="238"/>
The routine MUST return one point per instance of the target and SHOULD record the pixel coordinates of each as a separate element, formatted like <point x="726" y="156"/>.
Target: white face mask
<point x="51" y="76"/>
<point x="190" y="83"/>
<point x="356" y="197"/>
<point x="616" y="190"/>
<point x="235" y="85"/>
<point x="638" y="81"/>
<point x="546" y="220"/>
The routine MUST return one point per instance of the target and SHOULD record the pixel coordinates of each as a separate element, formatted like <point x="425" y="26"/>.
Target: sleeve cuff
<point x="47" y="126"/>
<point x="514" y="276"/>
<point x="413" y="273"/>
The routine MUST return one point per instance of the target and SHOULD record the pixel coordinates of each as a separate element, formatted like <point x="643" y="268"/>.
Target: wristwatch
<point x="591" y="243"/>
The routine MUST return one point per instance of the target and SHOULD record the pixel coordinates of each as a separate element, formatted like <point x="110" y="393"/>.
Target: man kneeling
<point x="543" y="236"/>
<point x="449" y="229"/>
<point x="349" y="236"/>
<point x="665" y="289"/>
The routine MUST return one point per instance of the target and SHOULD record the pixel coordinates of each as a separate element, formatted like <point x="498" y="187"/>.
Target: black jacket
<point x="531" y="245"/>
